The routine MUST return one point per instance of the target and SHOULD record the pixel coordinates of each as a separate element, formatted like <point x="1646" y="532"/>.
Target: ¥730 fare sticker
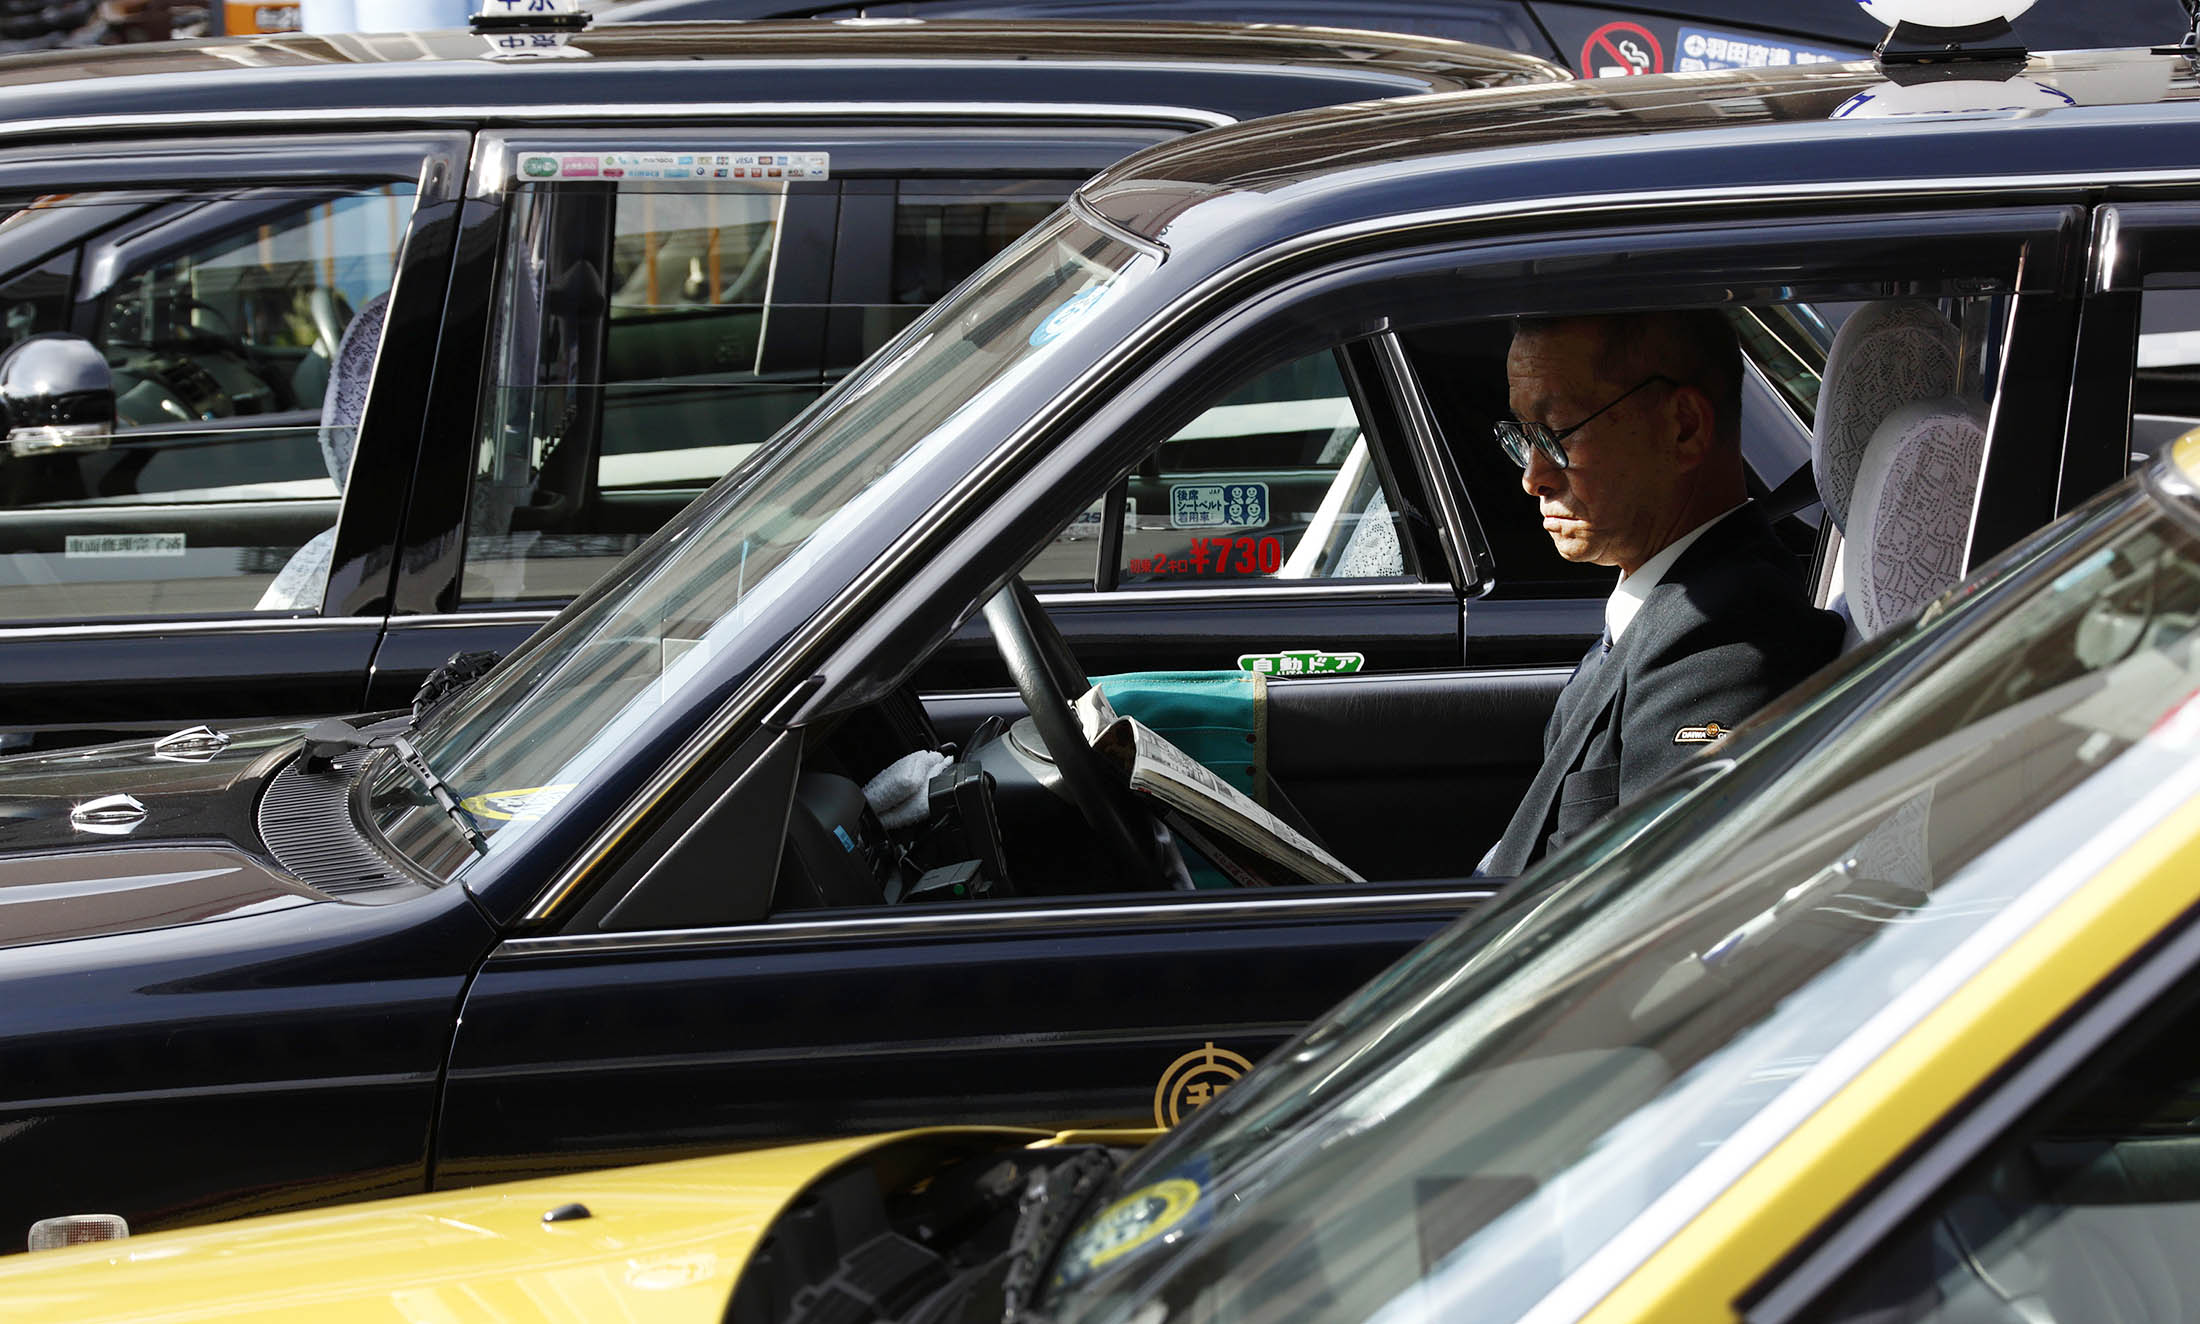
<point x="1216" y="556"/>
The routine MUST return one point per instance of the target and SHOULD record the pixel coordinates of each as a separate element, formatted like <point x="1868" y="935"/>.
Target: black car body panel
<point x="708" y="1041"/>
<point x="299" y="1049"/>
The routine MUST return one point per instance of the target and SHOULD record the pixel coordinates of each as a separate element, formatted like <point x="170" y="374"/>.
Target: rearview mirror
<point x="56" y="394"/>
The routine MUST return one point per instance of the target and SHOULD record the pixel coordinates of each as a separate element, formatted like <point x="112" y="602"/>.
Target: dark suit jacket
<point x="1725" y="631"/>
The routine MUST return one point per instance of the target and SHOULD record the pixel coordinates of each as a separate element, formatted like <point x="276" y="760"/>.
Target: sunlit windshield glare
<point x="514" y="746"/>
<point x="1478" y="1124"/>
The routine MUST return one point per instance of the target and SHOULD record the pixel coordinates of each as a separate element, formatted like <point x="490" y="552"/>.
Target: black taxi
<point x="384" y="392"/>
<point x="629" y="893"/>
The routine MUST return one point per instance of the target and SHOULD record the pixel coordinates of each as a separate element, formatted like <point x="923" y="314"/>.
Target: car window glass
<point x="626" y="381"/>
<point x="695" y="601"/>
<point x="633" y="365"/>
<point x="1277" y="480"/>
<point x="2086" y="1210"/>
<point x="1461" y="368"/>
<point x="946" y="229"/>
<point x="241" y="328"/>
<point x="930" y="234"/>
<point x="2165" y="397"/>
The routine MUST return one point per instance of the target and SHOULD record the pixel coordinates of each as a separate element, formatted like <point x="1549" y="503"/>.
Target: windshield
<point x="683" y="618"/>
<point x="1478" y="1123"/>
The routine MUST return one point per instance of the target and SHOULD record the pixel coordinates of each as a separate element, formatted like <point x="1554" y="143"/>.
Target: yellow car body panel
<point x="663" y="1243"/>
<point x="1699" y="1274"/>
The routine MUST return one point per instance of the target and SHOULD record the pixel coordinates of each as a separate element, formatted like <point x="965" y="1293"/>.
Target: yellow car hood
<point x="663" y="1243"/>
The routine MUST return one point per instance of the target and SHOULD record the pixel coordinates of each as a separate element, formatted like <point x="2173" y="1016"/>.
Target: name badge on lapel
<point x="1708" y="733"/>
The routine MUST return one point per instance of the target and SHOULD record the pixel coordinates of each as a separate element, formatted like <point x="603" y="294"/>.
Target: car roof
<point x="1770" y="130"/>
<point x="2094" y="23"/>
<point x="1236" y="70"/>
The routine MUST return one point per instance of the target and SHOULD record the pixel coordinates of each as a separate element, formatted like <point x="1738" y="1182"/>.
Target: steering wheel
<point x="1042" y="667"/>
<point x="330" y="316"/>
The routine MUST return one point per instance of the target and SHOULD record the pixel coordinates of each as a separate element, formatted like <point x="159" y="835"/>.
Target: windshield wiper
<point x="452" y="809"/>
<point x="333" y="737"/>
<point x="1054" y="1199"/>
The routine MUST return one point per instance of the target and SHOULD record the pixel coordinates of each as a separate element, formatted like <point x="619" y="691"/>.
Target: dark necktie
<point x="1577" y="684"/>
<point x="1590" y="660"/>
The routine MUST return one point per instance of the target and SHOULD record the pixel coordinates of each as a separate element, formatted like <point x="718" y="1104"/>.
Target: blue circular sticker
<point x="1059" y="321"/>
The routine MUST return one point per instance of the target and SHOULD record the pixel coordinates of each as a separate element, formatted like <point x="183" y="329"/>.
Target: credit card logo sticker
<point x="675" y="166"/>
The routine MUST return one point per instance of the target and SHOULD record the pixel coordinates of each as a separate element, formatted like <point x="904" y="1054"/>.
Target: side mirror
<point x="56" y="394"/>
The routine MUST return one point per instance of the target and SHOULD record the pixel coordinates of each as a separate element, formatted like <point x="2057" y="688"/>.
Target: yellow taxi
<point x="1887" y="1012"/>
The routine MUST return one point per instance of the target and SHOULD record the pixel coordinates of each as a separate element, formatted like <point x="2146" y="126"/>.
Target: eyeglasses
<point x="1519" y="438"/>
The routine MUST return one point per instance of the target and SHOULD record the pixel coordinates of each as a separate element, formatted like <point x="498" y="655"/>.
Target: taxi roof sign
<point x="1945" y="15"/>
<point x="498" y="15"/>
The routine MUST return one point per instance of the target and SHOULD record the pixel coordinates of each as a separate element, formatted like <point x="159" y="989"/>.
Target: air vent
<point x="306" y="823"/>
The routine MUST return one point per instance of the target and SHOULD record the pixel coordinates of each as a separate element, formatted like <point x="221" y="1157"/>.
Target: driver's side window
<point x="241" y="328"/>
<point x="1278" y="479"/>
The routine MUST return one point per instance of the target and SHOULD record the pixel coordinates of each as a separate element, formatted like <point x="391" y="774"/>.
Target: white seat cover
<point x="1910" y="513"/>
<point x="1886" y="355"/>
<point x="301" y="583"/>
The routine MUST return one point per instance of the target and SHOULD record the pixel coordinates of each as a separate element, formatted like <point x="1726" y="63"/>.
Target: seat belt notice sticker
<point x="689" y="167"/>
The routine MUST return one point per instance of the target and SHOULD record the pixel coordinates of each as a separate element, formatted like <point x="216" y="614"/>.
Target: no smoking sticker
<point x="1620" y="49"/>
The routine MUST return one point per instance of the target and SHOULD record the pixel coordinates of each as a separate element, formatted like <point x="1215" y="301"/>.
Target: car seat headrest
<point x="348" y="378"/>
<point x="1886" y="355"/>
<point x="1916" y="483"/>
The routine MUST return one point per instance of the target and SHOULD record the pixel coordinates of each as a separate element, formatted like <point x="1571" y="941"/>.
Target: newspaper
<point x="1158" y="769"/>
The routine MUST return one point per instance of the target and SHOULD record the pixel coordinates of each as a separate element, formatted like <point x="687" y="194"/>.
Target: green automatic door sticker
<point x="1302" y="662"/>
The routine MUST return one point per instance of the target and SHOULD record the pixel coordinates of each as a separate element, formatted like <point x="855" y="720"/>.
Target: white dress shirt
<point x="1628" y="595"/>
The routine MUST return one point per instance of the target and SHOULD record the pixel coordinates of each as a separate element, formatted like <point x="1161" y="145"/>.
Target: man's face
<point x="1612" y="503"/>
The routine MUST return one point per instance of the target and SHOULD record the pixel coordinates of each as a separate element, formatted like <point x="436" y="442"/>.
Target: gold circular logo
<point x="1193" y="1080"/>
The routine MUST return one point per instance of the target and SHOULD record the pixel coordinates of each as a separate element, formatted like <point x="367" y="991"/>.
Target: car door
<point x="642" y="334"/>
<point x="2067" y="1189"/>
<point x="2139" y="346"/>
<point x="677" y="997"/>
<point x="220" y="555"/>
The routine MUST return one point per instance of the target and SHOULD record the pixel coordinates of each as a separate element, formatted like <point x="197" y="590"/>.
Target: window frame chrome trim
<point x="1466" y="547"/>
<point x="1656" y="205"/>
<point x="1115" y="229"/>
<point x="554" y="117"/>
<point x="1297" y="588"/>
<point x="490" y="175"/>
<point x="460" y="620"/>
<point x="1076" y="597"/>
<point x="999" y="919"/>
<point x="1422" y="676"/>
<point x="109" y="629"/>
